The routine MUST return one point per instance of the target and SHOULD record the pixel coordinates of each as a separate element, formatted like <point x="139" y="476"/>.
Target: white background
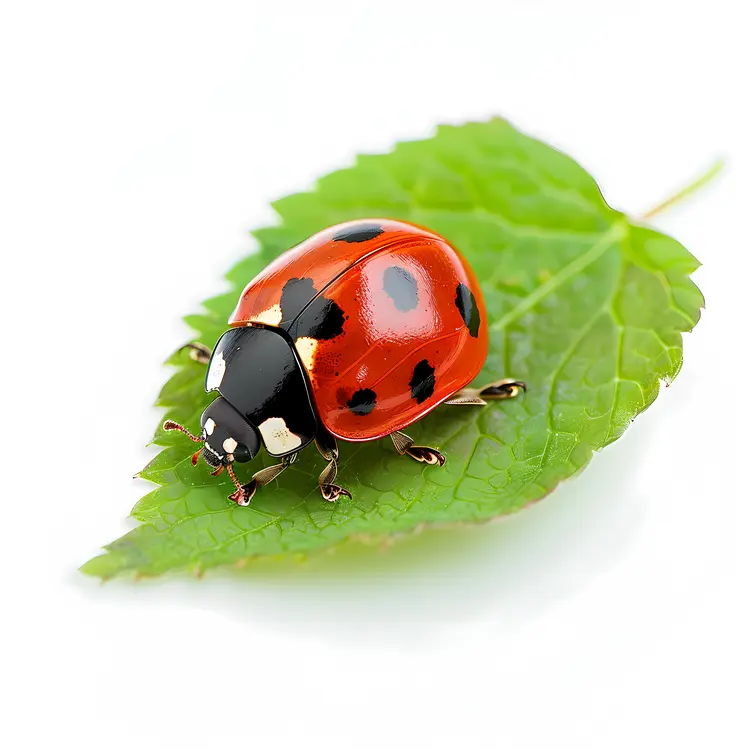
<point x="141" y="141"/>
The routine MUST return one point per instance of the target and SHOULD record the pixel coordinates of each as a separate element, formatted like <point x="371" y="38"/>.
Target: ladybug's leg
<point x="326" y="444"/>
<point x="501" y="389"/>
<point x="405" y="446"/>
<point x="466" y="397"/>
<point x="244" y="493"/>
<point x="198" y="352"/>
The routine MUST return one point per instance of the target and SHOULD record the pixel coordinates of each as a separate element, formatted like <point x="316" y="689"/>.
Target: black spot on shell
<point x="323" y="319"/>
<point x="295" y="295"/>
<point x="401" y="287"/>
<point x="359" y="233"/>
<point x="422" y="381"/>
<point x="467" y="306"/>
<point x="362" y="402"/>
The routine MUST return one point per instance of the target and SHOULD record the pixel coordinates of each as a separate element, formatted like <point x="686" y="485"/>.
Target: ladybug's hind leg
<point x="405" y="446"/>
<point x="497" y="391"/>
<point x="198" y="352"/>
<point x="326" y="444"/>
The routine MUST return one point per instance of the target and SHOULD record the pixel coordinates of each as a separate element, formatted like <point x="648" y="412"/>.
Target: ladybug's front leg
<point x="326" y="444"/>
<point x="405" y="446"/>
<point x="245" y="492"/>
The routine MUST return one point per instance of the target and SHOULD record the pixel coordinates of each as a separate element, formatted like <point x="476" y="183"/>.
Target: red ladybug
<point x="356" y="333"/>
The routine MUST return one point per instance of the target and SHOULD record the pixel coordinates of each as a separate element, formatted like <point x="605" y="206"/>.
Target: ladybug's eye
<point x="241" y="453"/>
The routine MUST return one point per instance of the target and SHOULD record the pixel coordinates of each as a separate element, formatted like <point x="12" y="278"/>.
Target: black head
<point x="226" y="436"/>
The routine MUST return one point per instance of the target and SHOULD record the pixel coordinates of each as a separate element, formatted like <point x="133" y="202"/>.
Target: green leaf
<point x="587" y="307"/>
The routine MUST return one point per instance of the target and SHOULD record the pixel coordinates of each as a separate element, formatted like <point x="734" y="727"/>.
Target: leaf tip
<point x="94" y="568"/>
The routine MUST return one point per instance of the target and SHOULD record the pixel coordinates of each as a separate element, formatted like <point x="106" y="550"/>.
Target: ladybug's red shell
<point x="388" y="320"/>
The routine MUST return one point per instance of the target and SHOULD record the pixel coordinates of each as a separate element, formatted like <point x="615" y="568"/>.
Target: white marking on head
<point x="278" y="437"/>
<point x="271" y="316"/>
<point x="210" y="426"/>
<point x="216" y="371"/>
<point x="229" y="445"/>
<point x="306" y="348"/>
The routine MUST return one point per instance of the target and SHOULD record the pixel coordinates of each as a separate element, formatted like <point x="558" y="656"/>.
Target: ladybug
<point x="354" y="334"/>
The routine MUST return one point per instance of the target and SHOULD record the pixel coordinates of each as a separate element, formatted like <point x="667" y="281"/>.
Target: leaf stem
<point x="688" y="190"/>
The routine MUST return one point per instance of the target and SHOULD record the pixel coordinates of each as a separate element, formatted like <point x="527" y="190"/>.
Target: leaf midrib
<point x="616" y="232"/>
